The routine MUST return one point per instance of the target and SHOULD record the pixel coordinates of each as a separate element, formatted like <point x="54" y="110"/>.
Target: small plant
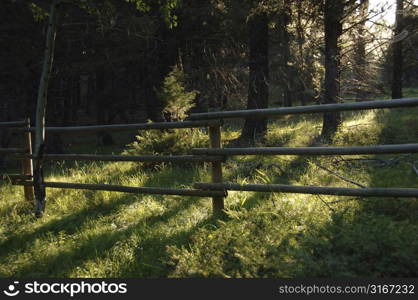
<point x="176" y="99"/>
<point x="177" y="103"/>
<point x="168" y="142"/>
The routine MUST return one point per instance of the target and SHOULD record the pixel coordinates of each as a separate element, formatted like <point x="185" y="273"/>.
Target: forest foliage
<point x="113" y="58"/>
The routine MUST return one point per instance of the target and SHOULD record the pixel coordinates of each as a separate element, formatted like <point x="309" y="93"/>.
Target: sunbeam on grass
<point x="111" y="234"/>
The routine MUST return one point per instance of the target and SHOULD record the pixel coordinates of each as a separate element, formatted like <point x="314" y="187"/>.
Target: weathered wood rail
<point x="378" y="149"/>
<point x="353" y="150"/>
<point x="12" y="124"/>
<point x="215" y="155"/>
<point x="128" y="189"/>
<point x="11" y="150"/>
<point x="133" y="158"/>
<point x="337" y="191"/>
<point x="214" y="139"/>
<point x="321" y="108"/>
<point x="127" y="127"/>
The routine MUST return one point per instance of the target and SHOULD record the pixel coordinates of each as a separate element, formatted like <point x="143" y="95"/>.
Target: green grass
<point x="109" y="234"/>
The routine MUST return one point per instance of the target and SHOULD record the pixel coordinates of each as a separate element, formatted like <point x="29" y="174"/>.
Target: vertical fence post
<point x="38" y="175"/>
<point x="215" y="142"/>
<point x="27" y="165"/>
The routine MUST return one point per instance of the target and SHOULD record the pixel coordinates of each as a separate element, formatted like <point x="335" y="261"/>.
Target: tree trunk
<point x="259" y="75"/>
<point x="102" y="106"/>
<point x="333" y="29"/>
<point x="360" y="69"/>
<point x="397" y="54"/>
<point x="287" y="73"/>
<point x="38" y="175"/>
<point x="75" y="97"/>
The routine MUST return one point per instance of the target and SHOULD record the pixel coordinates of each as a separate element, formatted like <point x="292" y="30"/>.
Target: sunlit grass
<point x="110" y="234"/>
<point x="83" y="231"/>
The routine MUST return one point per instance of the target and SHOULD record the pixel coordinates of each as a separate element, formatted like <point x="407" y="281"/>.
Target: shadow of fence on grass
<point x="149" y="256"/>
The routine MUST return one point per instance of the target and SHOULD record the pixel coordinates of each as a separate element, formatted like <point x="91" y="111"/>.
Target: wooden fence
<point x="216" y="155"/>
<point x="26" y="178"/>
<point x="325" y="108"/>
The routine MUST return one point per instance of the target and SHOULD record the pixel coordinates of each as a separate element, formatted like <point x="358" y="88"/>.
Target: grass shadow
<point x="374" y="238"/>
<point x="398" y="126"/>
<point x="95" y="247"/>
<point x="65" y="261"/>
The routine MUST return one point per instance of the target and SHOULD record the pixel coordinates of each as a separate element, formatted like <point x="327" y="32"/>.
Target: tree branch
<point x="414" y="168"/>
<point x="339" y="176"/>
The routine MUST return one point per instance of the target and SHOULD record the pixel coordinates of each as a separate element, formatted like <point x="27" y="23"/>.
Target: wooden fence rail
<point x="12" y="150"/>
<point x="215" y="155"/>
<point x="215" y="141"/>
<point x="127" y="127"/>
<point x="282" y="188"/>
<point x="15" y="177"/>
<point x="12" y="124"/>
<point x="378" y="149"/>
<point x="132" y="158"/>
<point x="127" y="189"/>
<point x="321" y="108"/>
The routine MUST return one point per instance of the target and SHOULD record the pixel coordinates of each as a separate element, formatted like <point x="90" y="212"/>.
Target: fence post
<point x="27" y="165"/>
<point x="215" y="142"/>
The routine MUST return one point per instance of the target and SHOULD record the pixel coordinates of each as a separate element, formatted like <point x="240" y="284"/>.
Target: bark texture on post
<point x="41" y="111"/>
<point x="27" y="166"/>
<point x="215" y="143"/>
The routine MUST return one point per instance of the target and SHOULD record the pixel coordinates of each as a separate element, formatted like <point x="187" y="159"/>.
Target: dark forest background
<point x="119" y="61"/>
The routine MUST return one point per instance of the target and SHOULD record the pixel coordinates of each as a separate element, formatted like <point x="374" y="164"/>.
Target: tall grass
<point x="110" y="234"/>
